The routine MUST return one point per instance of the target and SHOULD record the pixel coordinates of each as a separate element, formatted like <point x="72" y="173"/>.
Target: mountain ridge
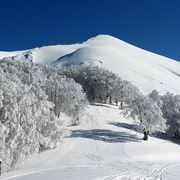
<point x="144" y="69"/>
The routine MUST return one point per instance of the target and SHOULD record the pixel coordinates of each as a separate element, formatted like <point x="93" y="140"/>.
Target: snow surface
<point x="106" y="146"/>
<point x="144" y="69"/>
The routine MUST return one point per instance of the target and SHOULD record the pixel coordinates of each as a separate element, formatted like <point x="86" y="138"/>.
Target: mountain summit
<point x="144" y="69"/>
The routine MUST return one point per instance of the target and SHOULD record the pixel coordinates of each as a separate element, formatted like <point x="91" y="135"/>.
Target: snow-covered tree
<point x="62" y="91"/>
<point x="171" y="112"/>
<point x="26" y="123"/>
<point x="146" y="111"/>
<point x="156" y="97"/>
<point x="29" y="119"/>
<point x="98" y="83"/>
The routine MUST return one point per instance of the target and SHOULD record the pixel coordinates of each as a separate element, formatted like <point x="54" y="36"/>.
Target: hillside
<point x="144" y="69"/>
<point x="106" y="146"/>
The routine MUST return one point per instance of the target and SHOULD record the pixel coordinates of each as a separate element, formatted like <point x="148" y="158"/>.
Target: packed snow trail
<point x="106" y="146"/>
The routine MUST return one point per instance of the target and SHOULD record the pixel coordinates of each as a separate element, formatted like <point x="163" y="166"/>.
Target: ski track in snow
<point x="104" y="147"/>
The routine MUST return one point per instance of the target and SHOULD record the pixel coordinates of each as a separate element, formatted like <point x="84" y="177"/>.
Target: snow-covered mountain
<point x="144" y="69"/>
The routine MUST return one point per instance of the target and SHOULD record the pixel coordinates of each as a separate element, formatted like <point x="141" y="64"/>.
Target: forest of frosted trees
<point x="33" y="97"/>
<point x="154" y="112"/>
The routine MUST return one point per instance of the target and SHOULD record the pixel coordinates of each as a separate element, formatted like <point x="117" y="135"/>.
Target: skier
<point x="77" y="121"/>
<point x="0" y="166"/>
<point x="146" y="133"/>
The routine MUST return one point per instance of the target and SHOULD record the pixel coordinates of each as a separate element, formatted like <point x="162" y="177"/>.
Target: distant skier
<point x="0" y="167"/>
<point x="77" y="121"/>
<point x="146" y="133"/>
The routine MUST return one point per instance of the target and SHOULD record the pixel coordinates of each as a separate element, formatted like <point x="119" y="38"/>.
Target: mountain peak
<point x="104" y="38"/>
<point x="144" y="69"/>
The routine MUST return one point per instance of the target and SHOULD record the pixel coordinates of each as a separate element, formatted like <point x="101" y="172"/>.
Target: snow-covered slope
<point x="144" y="69"/>
<point x="106" y="146"/>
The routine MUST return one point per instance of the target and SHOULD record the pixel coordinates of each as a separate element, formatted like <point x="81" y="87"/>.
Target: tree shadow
<point x="133" y="127"/>
<point x="100" y="104"/>
<point x="105" y="135"/>
<point x="164" y="136"/>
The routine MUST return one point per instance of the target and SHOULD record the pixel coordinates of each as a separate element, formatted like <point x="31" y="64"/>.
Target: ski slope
<point x="106" y="146"/>
<point x="144" y="69"/>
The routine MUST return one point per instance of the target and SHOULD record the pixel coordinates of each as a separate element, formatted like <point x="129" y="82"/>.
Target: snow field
<point x="106" y="146"/>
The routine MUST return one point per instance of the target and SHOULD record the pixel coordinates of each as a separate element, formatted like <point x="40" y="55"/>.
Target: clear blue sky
<point x="150" y="24"/>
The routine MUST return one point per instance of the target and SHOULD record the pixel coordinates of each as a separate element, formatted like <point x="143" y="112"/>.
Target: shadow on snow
<point x="101" y="104"/>
<point x="133" y="127"/>
<point x="164" y="136"/>
<point x="105" y="135"/>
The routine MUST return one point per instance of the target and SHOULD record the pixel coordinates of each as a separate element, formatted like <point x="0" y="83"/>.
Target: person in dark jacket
<point x="0" y="166"/>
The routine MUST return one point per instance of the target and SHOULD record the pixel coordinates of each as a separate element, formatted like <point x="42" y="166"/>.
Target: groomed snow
<point x="144" y="69"/>
<point x="106" y="146"/>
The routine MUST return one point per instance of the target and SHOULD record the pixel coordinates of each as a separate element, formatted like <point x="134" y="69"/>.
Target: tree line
<point x="32" y="98"/>
<point x="154" y="112"/>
